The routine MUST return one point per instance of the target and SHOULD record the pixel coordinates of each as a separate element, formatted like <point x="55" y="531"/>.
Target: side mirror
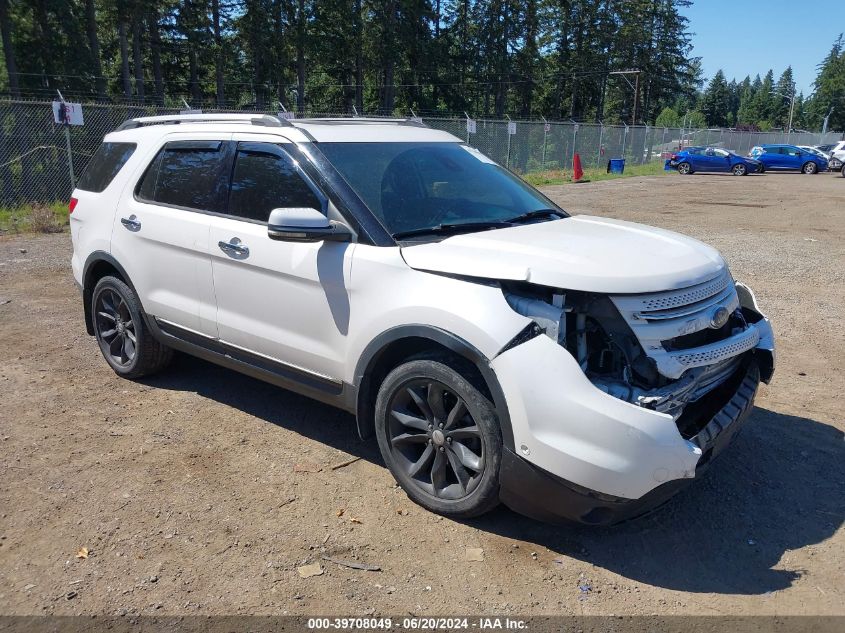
<point x="303" y="224"/>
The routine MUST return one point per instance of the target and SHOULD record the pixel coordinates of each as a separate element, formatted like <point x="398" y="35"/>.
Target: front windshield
<point x="416" y="186"/>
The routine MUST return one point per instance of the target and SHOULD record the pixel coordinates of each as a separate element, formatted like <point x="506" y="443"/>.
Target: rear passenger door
<point x="283" y="301"/>
<point x="696" y="159"/>
<point x="776" y="157"/>
<point x="793" y="158"/>
<point x="161" y="231"/>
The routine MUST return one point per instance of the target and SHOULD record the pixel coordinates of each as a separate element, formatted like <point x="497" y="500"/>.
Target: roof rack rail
<point x="253" y="119"/>
<point x="361" y="119"/>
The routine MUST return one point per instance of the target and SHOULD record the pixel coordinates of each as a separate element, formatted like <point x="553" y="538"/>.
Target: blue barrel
<point x="616" y="166"/>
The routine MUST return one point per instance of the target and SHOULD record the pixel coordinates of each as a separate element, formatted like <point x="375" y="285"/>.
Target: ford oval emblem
<point x="719" y="317"/>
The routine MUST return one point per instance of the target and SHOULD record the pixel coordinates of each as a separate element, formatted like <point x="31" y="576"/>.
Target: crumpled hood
<point x="577" y="253"/>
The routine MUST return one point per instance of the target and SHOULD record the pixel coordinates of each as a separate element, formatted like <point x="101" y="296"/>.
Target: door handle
<point x="131" y="223"/>
<point x="233" y="248"/>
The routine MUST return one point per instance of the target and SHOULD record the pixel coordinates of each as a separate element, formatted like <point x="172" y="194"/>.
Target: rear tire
<point x="810" y="167"/>
<point x="685" y="169"/>
<point x="121" y="331"/>
<point x="739" y="170"/>
<point x="439" y="437"/>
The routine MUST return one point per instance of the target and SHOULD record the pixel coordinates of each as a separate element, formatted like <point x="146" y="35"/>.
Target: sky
<point x="752" y="36"/>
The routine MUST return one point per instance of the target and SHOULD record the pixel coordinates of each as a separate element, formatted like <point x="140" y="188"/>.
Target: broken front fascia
<point x="680" y="388"/>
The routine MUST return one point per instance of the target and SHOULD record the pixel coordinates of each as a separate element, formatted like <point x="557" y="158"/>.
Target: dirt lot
<point x="184" y="491"/>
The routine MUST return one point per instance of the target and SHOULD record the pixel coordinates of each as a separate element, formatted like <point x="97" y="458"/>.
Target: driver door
<point x="283" y="301"/>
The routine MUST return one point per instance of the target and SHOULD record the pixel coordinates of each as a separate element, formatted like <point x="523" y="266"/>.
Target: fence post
<point x="574" y="143"/>
<point x="599" y="157"/>
<point x="508" y="156"/>
<point x="545" y="136"/>
<point x="624" y="141"/>
<point x="69" y="158"/>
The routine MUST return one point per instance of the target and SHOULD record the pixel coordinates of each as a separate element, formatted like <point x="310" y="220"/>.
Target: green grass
<point x="34" y="218"/>
<point x="593" y="174"/>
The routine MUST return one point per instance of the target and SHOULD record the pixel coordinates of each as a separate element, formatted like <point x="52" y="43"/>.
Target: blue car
<point x="788" y="157"/>
<point x="694" y="159"/>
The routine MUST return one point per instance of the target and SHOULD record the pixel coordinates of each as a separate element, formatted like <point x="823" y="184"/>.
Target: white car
<point x="837" y="156"/>
<point x="572" y="367"/>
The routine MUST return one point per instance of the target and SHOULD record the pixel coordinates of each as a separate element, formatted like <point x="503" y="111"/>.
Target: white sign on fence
<point x="66" y="113"/>
<point x="471" y="126"/>
<point x="511" y="127"/>
<point x="287" y="115"/>
<point x="576" y="127"/>
<point x="547" y="127"/>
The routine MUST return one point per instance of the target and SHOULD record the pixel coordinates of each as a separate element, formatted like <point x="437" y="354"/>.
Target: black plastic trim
<point x="372" y="353"/>
<point x="327" y="390"/>
<point x="88" y="288"/>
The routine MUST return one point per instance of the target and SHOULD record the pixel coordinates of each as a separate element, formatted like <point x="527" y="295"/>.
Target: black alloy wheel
<point x="439" y="435"/>
<point x="435" y="440"/>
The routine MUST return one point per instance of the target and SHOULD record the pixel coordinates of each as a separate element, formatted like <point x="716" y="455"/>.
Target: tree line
<point x="765" y="104"/>
<point x="527" y="58"/>
<point x="562" y="59"/>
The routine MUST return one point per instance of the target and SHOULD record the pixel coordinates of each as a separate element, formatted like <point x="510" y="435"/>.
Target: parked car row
<point x="805" y="159"/>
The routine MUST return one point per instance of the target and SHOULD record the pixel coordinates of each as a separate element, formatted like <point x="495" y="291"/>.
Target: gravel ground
<point x="201" y="491"/>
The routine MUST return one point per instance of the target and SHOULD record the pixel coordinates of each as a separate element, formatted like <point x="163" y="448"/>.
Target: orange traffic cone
<point x="577" y="172"/>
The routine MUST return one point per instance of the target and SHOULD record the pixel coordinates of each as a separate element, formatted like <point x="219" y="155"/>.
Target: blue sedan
<point x="788" y="157"/>
<point x="694" y="159"/>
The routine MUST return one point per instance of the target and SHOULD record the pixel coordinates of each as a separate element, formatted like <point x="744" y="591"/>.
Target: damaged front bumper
<point x="582" y="454"/>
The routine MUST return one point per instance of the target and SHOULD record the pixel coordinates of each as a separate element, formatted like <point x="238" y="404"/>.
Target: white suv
<point x="499" y="349"/>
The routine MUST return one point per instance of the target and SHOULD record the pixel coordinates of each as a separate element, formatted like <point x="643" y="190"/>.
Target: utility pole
<point x="636" y="88"/>
<point x="636" y="98"/>
<point x="791" y="107"/>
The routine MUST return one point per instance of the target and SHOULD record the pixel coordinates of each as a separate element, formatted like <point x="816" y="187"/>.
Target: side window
<point x="104" y="165"/>
<point x="187" y="174"/>
<point x="266" y="178"/>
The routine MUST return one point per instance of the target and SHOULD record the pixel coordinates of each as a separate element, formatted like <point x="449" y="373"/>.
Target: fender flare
<point x="87" y="287"/>
<point x="374" y="350"/>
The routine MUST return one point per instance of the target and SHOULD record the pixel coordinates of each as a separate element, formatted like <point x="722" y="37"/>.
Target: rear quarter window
<point x="104" y="166"/>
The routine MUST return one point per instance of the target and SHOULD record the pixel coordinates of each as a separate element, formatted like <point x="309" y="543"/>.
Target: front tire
<point x="810" y="167"/>
<point x="440" y="438"/>
<point x="121" y="332"/>
<point x="685" y="169"/>
<point x="739" y="170"/>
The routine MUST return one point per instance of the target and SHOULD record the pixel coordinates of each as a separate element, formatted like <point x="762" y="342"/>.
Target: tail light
<point x="71" y="205"/>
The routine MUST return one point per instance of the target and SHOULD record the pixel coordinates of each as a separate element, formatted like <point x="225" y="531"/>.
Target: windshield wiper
<point x="445" y="229"/>
<point x="538" y="213"/>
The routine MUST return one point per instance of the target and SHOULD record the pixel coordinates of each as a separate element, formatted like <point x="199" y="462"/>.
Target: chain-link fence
<point x="39" y="159"/>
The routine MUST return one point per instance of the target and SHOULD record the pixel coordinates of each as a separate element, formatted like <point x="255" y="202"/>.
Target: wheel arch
<point x="396" y="345"/>
<point x="98" y="265"/>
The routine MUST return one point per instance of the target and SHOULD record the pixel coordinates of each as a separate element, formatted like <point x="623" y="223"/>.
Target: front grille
<point x="685" y="314"/>
<point x="694" y="294"/>
<point x="719" y="351"/>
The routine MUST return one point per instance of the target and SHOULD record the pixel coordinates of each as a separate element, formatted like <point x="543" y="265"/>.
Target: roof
<point x="347" y="130"/>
